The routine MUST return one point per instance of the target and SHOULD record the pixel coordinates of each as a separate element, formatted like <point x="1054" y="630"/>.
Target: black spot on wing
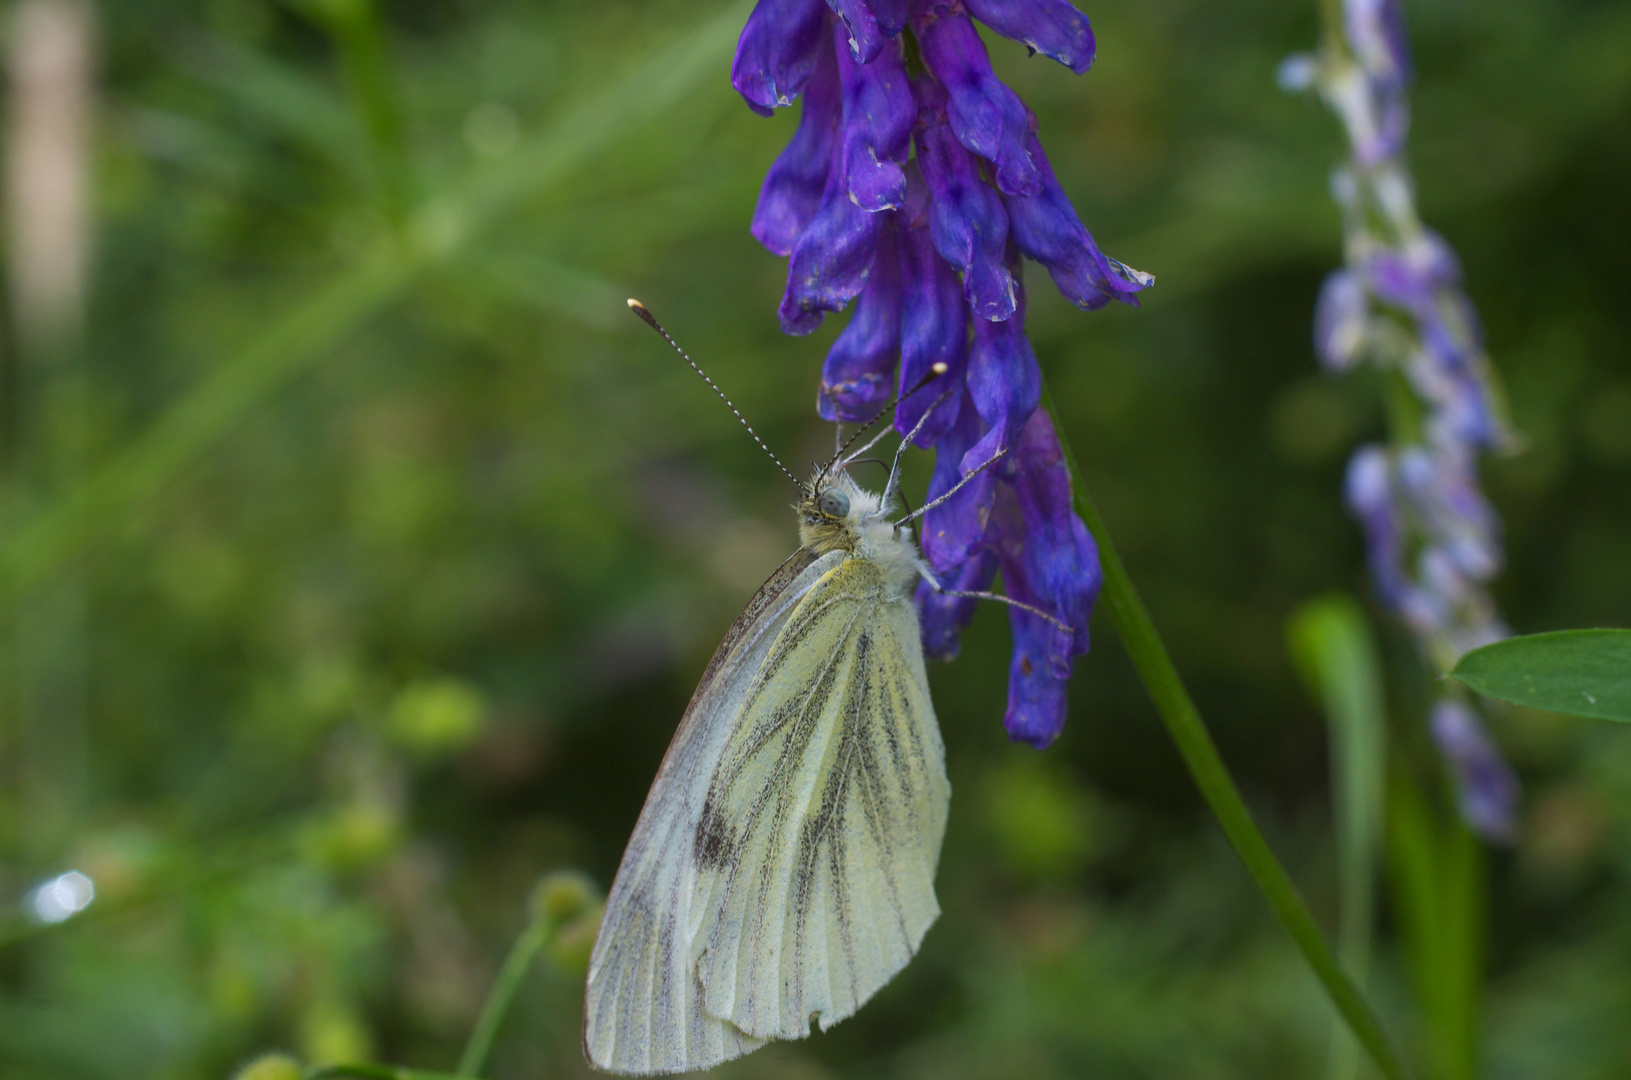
<point x="714" y="846"/>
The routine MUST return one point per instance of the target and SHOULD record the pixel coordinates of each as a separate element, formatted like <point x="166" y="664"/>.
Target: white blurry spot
<point x="62" y="896"/>
<point x="491" y="129"/>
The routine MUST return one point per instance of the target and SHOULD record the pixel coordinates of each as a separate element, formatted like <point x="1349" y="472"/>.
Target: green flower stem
<point x="1200" y="754"/>
<point x="522" y="954"/>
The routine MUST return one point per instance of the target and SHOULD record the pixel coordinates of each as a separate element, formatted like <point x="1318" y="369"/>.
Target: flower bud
<point x="562" y="896"/>
<point x="271" y="1067"/>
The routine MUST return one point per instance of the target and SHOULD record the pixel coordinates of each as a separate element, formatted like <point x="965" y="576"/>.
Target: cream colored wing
<point x="642" y="1005"/>
<point x="820" y="832"/>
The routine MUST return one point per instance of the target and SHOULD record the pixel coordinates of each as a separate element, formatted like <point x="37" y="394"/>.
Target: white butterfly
<point x="782" y="870"/>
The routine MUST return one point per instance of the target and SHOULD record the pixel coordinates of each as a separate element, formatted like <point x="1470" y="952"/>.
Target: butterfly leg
<point x="928" y="576"/>
<point x="931" y="504"/>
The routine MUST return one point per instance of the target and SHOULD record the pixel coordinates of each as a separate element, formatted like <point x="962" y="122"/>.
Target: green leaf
<point x="1332" y="645"/>
<point x="1578" y="672"/>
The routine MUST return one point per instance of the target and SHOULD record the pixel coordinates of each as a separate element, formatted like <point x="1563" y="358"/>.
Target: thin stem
<point x="1200" y="754"/>
<point x="522" y="954"/>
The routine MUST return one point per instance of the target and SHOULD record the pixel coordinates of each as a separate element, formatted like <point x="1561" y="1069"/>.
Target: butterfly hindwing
<point x="820" y="832"/>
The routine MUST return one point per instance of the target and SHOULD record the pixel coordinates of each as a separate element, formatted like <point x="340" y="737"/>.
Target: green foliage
<point x="1577" y="672"/>
<point x="402" y="544"/>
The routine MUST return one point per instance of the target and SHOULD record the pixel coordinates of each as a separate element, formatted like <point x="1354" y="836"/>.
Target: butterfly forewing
<point x="783" y="865"/>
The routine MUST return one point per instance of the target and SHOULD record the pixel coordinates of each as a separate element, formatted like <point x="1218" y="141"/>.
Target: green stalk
<point x="1200" y="754"/>
<point x="522" y="954"/>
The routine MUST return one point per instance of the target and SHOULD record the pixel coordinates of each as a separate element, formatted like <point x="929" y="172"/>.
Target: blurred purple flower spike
<point x="1486" y="789"/>
<point x="1339" y="320"/>
<point x="930" y="245"/>
<point x="1376" y="33"/>
<point x="1433" y="542"/>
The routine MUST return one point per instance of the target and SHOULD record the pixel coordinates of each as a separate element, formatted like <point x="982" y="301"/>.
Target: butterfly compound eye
<point x="834" y="503"/>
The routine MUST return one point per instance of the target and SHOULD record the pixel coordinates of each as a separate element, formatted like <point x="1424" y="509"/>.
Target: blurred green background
<point x="360" y="551"/>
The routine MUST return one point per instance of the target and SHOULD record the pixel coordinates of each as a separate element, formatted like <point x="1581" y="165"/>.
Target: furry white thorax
<point x="867" y="532"/>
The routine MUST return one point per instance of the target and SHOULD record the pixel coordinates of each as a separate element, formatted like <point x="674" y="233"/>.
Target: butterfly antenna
<point x="651" y="320"/>
<point x="937" y="369"/>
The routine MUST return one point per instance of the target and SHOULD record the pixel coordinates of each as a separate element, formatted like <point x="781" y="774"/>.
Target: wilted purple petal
<point x="1049" y="560"/>
<point x="855" y="380"/>
<point x="986" y="116"/>
<point x="966" y="217"/>
<point x="1486" y="789"/>
<point x="943" y="617"/>
<point x="792" y="189"/>
<point x="1046" y="228"/>
<point x="859" y="32"/>
<point x="1051" y="27"/>
<point x="878" y="116"/>
<point x="1004" y="382"/>
<point x="1038" y="698"/>
<point x="776" y="53"/>
<point x="1339" y="320"/>
<point x="830" y="261"/>
<point x="954" y="531"/>
<point x="891" y="15"/>
<point x="933" y="323"/>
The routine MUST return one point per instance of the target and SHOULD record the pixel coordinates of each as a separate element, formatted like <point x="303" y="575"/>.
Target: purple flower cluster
<point x="913" y="185"/>
<point x="1433" y="540"/>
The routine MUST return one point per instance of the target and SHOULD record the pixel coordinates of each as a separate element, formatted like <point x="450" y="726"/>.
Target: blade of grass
<point x="1183" y="721"/>
<point x="1336" y="654"/>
